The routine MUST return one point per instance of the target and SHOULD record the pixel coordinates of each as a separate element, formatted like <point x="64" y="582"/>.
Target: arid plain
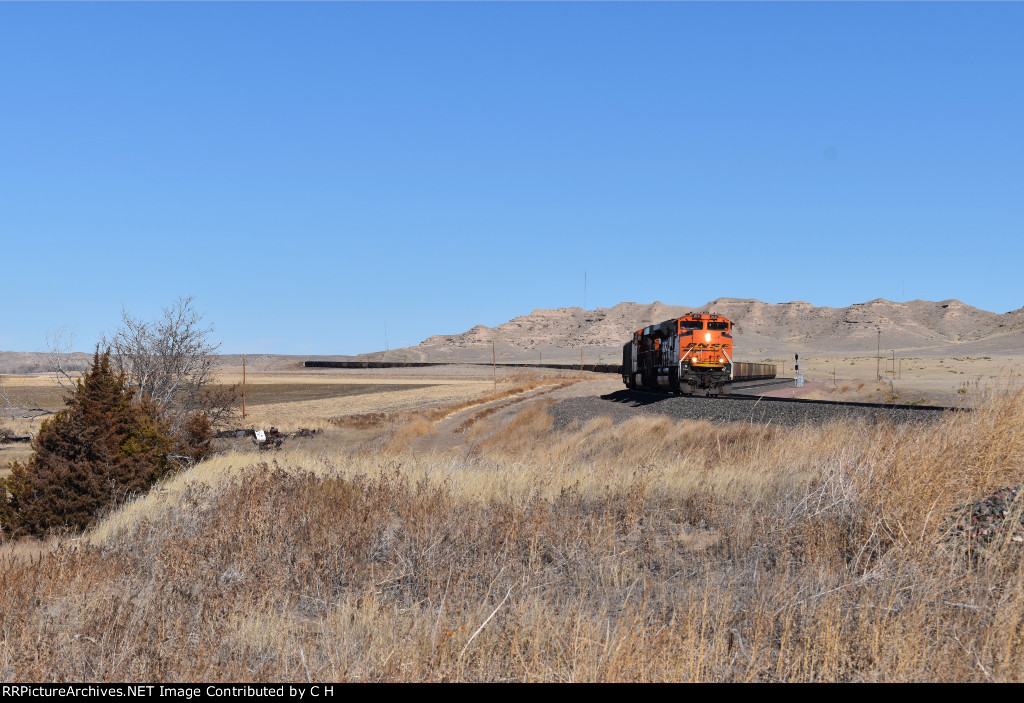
<point x="441" y="527"/>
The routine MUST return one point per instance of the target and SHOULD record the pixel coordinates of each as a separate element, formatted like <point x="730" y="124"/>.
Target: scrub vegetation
<point x="105" y="446"/>
<point x="649" y="550"/>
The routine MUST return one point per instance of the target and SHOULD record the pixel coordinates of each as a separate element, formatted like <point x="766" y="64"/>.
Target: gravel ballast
<point x="623" y="405"/>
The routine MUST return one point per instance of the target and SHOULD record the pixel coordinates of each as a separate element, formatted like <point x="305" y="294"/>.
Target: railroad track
<point x="614" y="368"/>
<point x="847" y="403"/>
<point x="596" y="368"/>
<point x="747" y="385"/>
<point x="805" y="401"/>
<point x="623" y="405"/>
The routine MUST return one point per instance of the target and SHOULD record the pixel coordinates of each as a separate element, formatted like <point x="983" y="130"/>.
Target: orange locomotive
<point x="686" y="354"/>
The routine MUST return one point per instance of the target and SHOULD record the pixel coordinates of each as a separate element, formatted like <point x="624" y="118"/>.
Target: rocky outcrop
<point x="762" y="330"/>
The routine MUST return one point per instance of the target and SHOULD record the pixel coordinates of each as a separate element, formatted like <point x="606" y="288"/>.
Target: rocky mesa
<point x="763" y="330"/>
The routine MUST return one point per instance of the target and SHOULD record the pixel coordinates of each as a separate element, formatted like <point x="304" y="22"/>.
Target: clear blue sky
<point x="312" y="171"/>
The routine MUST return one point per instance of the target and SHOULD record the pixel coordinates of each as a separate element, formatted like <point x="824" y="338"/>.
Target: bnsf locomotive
<point x="684" y="355"/>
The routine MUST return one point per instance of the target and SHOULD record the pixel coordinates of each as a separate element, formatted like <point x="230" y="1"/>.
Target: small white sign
<point x="261" y="436"/>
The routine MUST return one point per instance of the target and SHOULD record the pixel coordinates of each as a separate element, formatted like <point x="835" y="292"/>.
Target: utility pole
<point x="584" y="317"/>
<point x="494" y="367"/>
<point x="878" y="355"/>
<point x="796" y="362"/>
<point x="243" y="386"/>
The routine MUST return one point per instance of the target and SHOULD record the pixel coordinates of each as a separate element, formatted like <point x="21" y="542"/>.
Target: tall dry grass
<point x="512" y="386"/>
<point x="641" y="551"/>
<point x="398" y="429"/>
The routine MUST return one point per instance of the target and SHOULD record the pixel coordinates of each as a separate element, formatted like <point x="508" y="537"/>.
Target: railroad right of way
<point x="623" y="405"/>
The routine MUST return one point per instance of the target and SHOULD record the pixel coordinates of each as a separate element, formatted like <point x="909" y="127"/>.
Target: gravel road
<point x="622" y="405"/>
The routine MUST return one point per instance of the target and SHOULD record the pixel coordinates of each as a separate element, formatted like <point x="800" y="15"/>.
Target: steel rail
<point x="808" y="401"/>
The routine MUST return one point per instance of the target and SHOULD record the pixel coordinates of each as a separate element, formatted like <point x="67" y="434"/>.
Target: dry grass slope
<point x="637" y="552"/>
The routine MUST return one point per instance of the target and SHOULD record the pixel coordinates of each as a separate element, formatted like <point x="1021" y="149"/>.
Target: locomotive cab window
<point x="718" y="325"/>
<point x="691" y="325"/>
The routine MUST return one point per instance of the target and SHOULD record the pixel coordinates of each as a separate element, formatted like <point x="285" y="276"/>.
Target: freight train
<point x="686" y="355"/>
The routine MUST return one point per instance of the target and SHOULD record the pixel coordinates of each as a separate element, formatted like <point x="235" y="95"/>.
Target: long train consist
<point x="687" y="354"/>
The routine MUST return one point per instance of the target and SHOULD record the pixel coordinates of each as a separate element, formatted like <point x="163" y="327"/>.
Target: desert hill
<point x="763" y="331"/>
<point x="766" y="330"/>
<point x="41" y="362"/>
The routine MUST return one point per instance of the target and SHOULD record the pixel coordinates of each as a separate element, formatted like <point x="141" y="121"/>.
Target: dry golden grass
<point x="442" y="410"/>
<point x="401" y="396"/>
<point x="918" y="375"/>
<point x="648" y="550"/>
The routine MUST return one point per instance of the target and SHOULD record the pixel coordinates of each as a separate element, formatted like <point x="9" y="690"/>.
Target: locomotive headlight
<point x="707" y="336"/>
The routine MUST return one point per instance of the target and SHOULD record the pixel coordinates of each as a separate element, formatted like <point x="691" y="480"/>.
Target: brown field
<point x="935" y="380"/>
<point x="643" y="551"/>
<point x="41" y="391"/>
<point x="25" y="392"/>
<point x="269" y="393"/>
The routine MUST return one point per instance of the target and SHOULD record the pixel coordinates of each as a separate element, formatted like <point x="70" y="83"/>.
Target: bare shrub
<point x="172" y="360"/>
